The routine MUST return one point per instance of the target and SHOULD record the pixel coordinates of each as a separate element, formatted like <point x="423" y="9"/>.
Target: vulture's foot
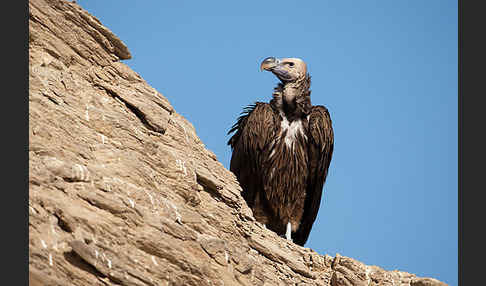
<point x="288" y="232"/>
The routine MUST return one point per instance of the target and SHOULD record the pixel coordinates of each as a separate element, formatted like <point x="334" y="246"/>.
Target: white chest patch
<point x="293" y="129"/>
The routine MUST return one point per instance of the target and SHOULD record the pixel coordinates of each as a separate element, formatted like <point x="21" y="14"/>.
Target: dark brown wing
<point x="321" y="144"/>
<point x="255" y="129"/>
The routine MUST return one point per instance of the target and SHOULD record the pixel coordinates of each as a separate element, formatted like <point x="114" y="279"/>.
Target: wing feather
<point x="255" y="129"/>
<point x="321" y="146"/>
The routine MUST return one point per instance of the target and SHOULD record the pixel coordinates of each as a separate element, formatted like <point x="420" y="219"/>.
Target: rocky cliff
<point x="123" y="192"/>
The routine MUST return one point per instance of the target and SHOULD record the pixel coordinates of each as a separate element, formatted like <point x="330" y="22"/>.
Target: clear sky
<point x="387" y="72"/>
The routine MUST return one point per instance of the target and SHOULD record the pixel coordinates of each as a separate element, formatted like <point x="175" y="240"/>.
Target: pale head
<point x="286" y="69"/>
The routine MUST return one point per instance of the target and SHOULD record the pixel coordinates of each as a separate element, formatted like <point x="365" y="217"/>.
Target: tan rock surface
<point x="123" y="192"/>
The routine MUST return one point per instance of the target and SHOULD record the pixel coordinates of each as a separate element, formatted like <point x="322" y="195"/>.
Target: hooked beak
<point x="269" y="63"/>
<point x="274" y="65"/>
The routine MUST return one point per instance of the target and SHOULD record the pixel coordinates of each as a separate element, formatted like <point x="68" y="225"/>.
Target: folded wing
<point x="321" y="144"/>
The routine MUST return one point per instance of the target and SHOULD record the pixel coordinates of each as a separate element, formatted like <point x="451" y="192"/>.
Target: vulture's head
<point x="287" y="70"/>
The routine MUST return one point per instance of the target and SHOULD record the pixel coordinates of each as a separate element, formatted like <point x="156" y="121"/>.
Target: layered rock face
<point x="123" y="192"/>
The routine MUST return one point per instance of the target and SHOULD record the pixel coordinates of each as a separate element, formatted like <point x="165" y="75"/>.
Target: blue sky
<point x="387" y="72"/>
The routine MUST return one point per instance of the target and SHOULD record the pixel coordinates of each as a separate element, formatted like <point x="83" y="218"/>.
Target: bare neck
<point x="292" y="99"/>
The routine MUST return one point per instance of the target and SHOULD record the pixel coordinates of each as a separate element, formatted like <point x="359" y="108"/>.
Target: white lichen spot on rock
<point x="97" y="254"/>
<point x="86" y="114"/>
<point x="150" y="197"/>
<point x="132" y="203"/>
<point x="80" y="172"/>
<point x="154" y="261"/>
<point x="367" y="274"/>
<point x="253" y="251"/>
<point x="185" y="133"/>
<point x="181" y="165"/>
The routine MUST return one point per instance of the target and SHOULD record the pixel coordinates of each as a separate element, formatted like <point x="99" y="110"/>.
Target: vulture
<point x="281" y="152"/>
